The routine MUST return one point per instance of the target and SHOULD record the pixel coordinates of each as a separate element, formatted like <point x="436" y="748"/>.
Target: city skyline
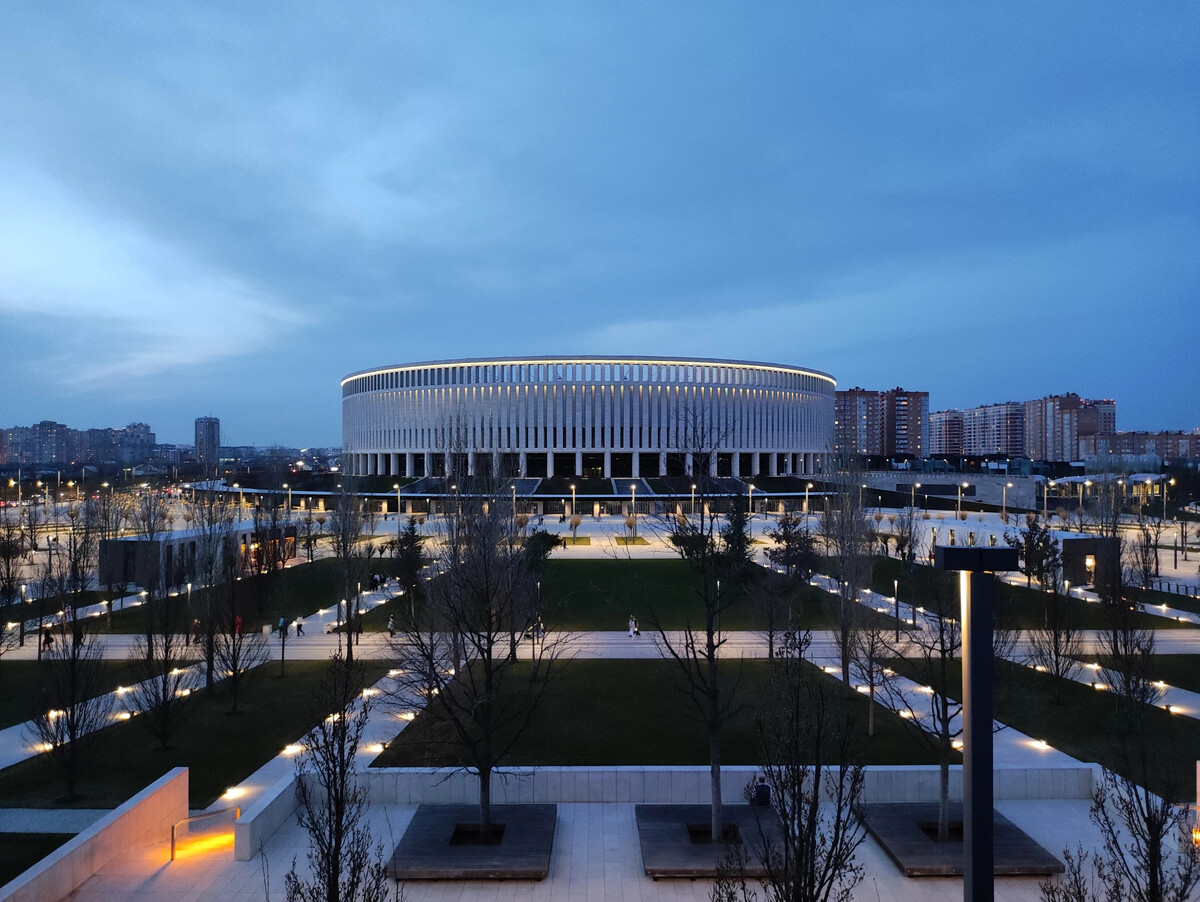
<point x="225" y="211"/>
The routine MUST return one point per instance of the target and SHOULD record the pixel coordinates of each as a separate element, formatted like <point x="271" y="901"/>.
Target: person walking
<point x="299" y="626"/>
<point x="283" y="626"/>
<point x="391" y="627"/>
<point x="632" y="625"/>
<point x="637" y="630"/>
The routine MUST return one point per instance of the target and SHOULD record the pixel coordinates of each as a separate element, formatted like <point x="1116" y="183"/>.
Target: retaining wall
<point x="142" y="821"/>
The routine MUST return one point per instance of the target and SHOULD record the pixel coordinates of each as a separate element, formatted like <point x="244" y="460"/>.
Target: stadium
<point x="587" y="418"/>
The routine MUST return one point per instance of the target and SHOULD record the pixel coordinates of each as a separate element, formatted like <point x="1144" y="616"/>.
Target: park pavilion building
<point x="607" y="417"/>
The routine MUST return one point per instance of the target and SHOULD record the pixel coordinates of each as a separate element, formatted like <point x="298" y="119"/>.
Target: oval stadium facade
<point x="587" y="416"/>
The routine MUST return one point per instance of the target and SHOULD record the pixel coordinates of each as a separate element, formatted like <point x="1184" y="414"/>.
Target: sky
<point x="224" y="208"/>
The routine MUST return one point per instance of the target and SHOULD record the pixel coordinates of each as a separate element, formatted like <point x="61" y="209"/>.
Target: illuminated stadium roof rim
<point x="592" y="358"/>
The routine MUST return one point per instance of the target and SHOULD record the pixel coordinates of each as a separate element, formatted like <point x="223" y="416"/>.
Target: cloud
<point x="115" y="302"/>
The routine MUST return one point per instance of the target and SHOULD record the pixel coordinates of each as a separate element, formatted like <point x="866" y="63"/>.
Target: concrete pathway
<point x="596" y="858"/>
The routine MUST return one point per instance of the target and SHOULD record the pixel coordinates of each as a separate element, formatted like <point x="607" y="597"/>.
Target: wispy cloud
<point x="114" y="301"/>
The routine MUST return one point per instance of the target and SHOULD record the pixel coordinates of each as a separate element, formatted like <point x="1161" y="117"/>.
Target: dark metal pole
<point x="978" y="599"/>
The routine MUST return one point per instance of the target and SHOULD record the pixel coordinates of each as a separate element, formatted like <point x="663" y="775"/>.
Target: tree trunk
<point x="944" y="793"/>
<point x="485" y="802"/>
<point x="714" y="770"/>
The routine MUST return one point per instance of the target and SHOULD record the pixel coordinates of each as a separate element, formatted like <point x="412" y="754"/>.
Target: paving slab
<point x="667" y="845"/>
<point x="428" y="850"/>
<point x="902" y="830"/>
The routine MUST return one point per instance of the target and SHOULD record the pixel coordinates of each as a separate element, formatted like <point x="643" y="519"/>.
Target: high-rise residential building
<point x="905" y="423"/>
<point x="893" y="423"/>
<point x="208" y="441"/>
<point x="994" y="429"/>
<point x="1098" y="418"/>
<point x="945" y="433"/>
<point x="1054" y="424"/>
<point x="858" y="422"/>
<point x="1167" y="446"/>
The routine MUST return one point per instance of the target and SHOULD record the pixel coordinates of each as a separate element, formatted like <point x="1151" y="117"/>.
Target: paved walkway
<point x="596" y="858"/>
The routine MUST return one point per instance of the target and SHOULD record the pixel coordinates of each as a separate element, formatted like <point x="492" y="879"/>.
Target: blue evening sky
<point x="223" y="208"/>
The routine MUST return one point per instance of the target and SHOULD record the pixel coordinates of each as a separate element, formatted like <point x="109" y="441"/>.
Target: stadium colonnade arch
<point x="587" y="416"/>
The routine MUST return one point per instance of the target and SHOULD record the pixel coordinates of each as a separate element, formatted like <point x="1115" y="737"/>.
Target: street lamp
<point x="289" y="488"/>
<point x="961" y="486"/>
<point x="896" y="600"/>
<point x="807" y="486"/>
<point x="860" y="490"/>
<point x="912" y="501"/>
<point x="693" y="499"/>
<point x="1164" y="494"/>
<point x="750" y="513"/>
<point x="572" y="499"/>
<point x="241" y="499"/>
<point x="21" y="618"/>
<point x="1004" y="499"/>
<point x="633" y="506"/>
<point x="1046" y="483"/>
<point x="396" y="486"/>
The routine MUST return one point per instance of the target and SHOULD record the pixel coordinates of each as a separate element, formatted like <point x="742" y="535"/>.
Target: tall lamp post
<point x="289" y="488"/>
<point x="572" y="499"/>
<point x="961" y="486"/>
<point x="633" y="507"/>
<point x="807" y="486"/>
<point x="1046" y="483"/>
<point x="977" y="588"/>
<point x="750" y="514"/>
<point x="1004" y="499"/>
<point x="693" y="499"/>
<point x="1166" y="482"/>
<point x="912" y="501"/>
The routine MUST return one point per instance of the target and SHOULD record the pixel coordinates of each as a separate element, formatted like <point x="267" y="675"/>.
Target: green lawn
<point x="1023" y="606"/>
<point x="52" y="605"/>
<point x="220" y="749"/>
<point x="23" y="850"/>
<point x="21" y="680"/>
<point x="631" y="712"/>
<point x="601" y="594"/>
<point x="1182" y="671"/>
<point x="300" y="590"/>
<point x="1085" y="725"/>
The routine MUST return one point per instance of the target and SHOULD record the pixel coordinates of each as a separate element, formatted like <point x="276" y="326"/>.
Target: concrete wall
<point x="142" y="821"/>
<point x="262" y="819"/>
<point x="677" y="785"/>
<point x="667" y="784"/>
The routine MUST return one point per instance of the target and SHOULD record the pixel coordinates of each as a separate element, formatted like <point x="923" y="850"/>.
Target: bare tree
<point x="870" y="652"/>
<point x="237" y="651"/>
<point x="716" y="554"/>
<point x="161" y="662"/>
<point x="109" y="512"/>
<point x="216" y="561"/>
<point x="931" y="651"/>
<point x="347" y="526"/>
<point x="452" y="642"/>
<point x="310" y="528"/>
<point x="10" y="637"/>
<point x="1143" y="551"/>
<point x="13" y="553"/>
<point x="845" y="535"/>
<point x="73" y="708"/>
<point x="810" y="764"/>
<point x="150" y="514"/>
<point x="344" y="864"/>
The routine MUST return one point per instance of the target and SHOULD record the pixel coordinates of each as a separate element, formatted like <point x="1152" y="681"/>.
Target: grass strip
<point x="609" y="713"/>
<point x="221" y="749"/>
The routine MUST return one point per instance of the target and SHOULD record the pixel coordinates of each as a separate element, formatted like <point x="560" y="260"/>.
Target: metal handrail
<point x="237" y="813"/>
